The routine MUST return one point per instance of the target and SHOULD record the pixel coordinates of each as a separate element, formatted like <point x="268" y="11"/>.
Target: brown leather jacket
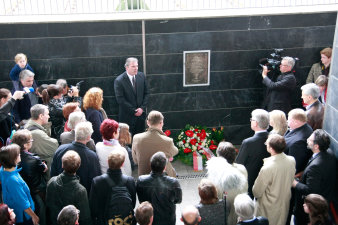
<point x="315" y="115"/>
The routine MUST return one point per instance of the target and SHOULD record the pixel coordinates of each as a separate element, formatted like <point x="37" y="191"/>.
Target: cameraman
<point x="69" y="94"/>
<point x="279" y="92"/>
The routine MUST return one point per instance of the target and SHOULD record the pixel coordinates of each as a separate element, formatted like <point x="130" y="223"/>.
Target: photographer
<point x="70" y="94"/>
<point x="279" y="92"/>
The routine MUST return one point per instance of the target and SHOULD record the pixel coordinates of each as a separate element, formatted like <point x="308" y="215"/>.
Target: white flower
<point x="194" y="147"/>
<point x="186" y="144"/>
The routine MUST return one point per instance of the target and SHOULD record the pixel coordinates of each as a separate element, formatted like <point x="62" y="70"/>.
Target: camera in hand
<point x="77" y="85"/>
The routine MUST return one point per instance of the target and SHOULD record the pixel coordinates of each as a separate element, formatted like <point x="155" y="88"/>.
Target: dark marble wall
<point x="95" y="52"/>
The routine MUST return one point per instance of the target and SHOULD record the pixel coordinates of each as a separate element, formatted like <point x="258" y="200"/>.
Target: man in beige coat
<point x="146" y="144"/>
<point x="272" y="187"/>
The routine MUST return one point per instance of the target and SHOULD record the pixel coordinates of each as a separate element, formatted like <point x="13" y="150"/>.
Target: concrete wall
<point x="95" y="52"/>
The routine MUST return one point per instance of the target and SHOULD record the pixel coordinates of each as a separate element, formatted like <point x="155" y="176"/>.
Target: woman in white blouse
<point x="109" y="130"/>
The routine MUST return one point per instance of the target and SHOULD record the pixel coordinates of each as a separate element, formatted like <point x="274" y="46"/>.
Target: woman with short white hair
<point x="69" y="137"/>
<point x="245" y="209"/>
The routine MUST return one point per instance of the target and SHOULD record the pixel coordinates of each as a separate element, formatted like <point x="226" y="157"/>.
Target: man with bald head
<point x="190" y="215"/>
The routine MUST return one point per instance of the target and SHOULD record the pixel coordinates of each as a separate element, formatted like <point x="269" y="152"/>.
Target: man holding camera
<point x="279" y="92"/>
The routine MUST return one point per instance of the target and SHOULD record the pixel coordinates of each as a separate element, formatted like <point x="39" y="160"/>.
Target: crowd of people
<point x="63" y="161"/>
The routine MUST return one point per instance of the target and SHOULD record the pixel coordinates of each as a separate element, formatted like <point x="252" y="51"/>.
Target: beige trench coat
<point x="146" y="144"/>
<point x="272" y="188"/>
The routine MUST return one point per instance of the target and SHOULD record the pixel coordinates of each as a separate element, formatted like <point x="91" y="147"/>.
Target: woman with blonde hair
<point x="278" y="122"/>
<point x="125" y="141"/>
<point x="92" y="106"/>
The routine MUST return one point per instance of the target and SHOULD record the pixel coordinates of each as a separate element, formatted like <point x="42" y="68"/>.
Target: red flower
<point x="193" y="141"/>
<point x="187" y="150"/>
<point x="167" y="132"/>
<point x="202" y="131"/>
<point x="198" y="134"/>
<point x="212" y="147"/>
<point x="199" y="147"/>
<point x="212" y="142"/>
<point x="196" y="129"/>
<point x="199" y="143"/>
<point x="189" y="133"/>
<point x="203" y="135"/>
<point x="183" y="141"/>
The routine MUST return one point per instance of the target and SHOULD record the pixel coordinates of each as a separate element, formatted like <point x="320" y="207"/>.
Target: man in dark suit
<point x="319" y="175"/>
<point x="253" y="149"/>
<point x="132" y="96"/>
<point x="296" y="138"/>
<point x="21" y="110"/>
<point x="296" y="145"/>
<point x="314" y="108"/>
<point x="279" y="92"/>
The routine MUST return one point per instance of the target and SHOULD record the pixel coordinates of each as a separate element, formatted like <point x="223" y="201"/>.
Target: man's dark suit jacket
<point x="251" y="155"/>
<point x="129" y="100"/>
<point x="315" y="115"/>
<point x="89" y="168"/>
<point x="319" y="178"/>
<point x="21" y="110"/>
<point x="296" y="145"/>
<point x="279" y="92"/>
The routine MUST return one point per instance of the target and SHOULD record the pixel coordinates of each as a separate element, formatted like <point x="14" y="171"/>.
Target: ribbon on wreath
<point x="208" y="153"/>
<point x="197" y="161"/>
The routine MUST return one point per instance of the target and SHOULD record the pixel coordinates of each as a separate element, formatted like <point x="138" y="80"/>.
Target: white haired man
<point x="279" y="92"/>
<point x="90" y="166"/>
<point x="253" y="149"/>
<point x="314" y="108"/>
<point x="21" y="110"/>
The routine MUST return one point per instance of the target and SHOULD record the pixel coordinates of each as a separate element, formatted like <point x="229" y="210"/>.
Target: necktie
<point x="133" y="80"/>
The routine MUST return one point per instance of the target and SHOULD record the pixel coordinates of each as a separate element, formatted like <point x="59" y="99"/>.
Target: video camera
<point x="273" y="63"/>
<point x="77" y="85"/>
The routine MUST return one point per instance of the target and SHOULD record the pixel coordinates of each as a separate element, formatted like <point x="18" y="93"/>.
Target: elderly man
<point x="118" y="188"/>
<point x="296" y="137"/>
<point x="146" y="144"/>
<point x="161" y="191"/>
<point x="279" y="92"/>
<point x="272" y="187"/>
<point x="144" y="214"/>
<point x="314" y="108"/>
<point x="69" y="137"/>
<point x="22" y="106"/>
<point x="132" y="95"/>
<point x="253" y="149"/>
<point x="65" y="189"/>
<point x="190" y="215"/>
<point x="90" y="166"/>
<point x="319" y="175"/>
<point x="43" y="145"/>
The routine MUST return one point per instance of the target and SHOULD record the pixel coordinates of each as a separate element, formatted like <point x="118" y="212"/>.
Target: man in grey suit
<point x="132" y="96"/>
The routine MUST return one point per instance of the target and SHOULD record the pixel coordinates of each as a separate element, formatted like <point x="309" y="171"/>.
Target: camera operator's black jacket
<point x="279" y="92"/>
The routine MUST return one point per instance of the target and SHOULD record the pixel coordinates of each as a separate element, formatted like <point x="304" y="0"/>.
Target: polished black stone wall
<point x="95" y="52"/>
